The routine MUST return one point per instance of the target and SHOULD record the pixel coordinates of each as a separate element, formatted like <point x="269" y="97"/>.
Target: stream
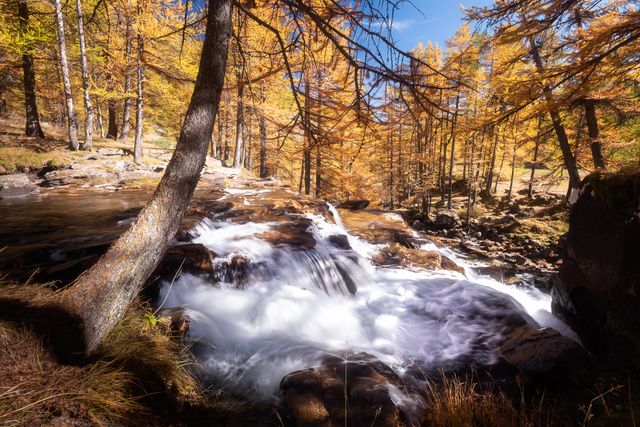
<point x="299" y="303"/>
<point x="308" y="286"/>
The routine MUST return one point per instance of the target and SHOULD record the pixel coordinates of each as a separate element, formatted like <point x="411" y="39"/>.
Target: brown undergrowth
<point x="141" y="370"/>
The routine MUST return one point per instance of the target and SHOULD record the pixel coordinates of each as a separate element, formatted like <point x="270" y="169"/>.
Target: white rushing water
<point x="297" y="307"/>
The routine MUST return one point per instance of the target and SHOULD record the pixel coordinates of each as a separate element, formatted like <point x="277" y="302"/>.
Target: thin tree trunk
<point x="513" y="168"/>
<point x="220" y="136"/>
<point x="594" y="135"/>
<point x="248" y="164"/>
<point x="306" y="150"/>
<point x="535" y="160"/>
<point x="88" y="107"/>
<point x="453" y="152"/>
<point x="239" y="65"/>
<point x="100" y="296"/>
<point x="72" y="121"/>
<point x="558" y="127"/>
<point x="318" y="171"/>
<point x="471" y="177"/>
<point x="32" y="122"/>
<point x="492" y="165"/>
<point x="227" y="125"/>
<point x="137" y="148"/>
<point x="112" y="125"/>
<point x="100" y="123"/>
<point x="504" y="156"/>
<point x="263" y="146"/>
<point x="126" y="111"/>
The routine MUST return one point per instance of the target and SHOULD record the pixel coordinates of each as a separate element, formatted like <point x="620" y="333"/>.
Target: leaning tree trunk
<point x="32" y="126"/>
<point x="594" y="134"/>
<point x="101" y="295"/>
<point x="137" y="148"/>
<point x="88" y="122"/>
<point x="558" y="127"/>
<point x="72" y="120"/>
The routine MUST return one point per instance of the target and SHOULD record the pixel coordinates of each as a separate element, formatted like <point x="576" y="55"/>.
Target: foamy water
<point x="297" y="307"/>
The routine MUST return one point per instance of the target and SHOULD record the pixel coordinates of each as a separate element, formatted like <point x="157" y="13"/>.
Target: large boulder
<point x="541" y="351"/>
<point x="16" y="185"/>
<point x="361" y="384"/>
<point x="598" y="285"/>
<point x="446" y="219"/>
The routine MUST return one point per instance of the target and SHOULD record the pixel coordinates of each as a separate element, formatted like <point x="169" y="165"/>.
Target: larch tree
<point x="32" y="117"/>
<point x="102" y="294"/>
<point x="88" y="106"/>
<point x="72" y="120"/>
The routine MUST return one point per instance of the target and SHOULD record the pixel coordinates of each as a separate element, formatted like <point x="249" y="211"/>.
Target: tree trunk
<point x="126" y="111"/>
<point x="100" y="122"/>
<point x="453" y="153"/>
<point x="137" y="148"/>
<point x="391" y="183"/>
<point x="227" y="127"/>
<point x="101" y="295"/>
<point x="220" y="136"/>
<point x="32" y="124"/>
<point x="263" y="146"/>
<point x="306" y="150"/>
<point x="318" y="170"/>
<point x="498" y="176"/>
<point x="492" y="165"/>
<point x="558" y="127"/>
<point x="594" y="134"/>
<point x="248" y="158"/>
<point x="535" y="160"/>
<point x="112" y="126"/>
<point x="239" y="148"/>
<point x="88" y="107"/>
<point x="513" y="169"/>
<point x="72" y="121"/>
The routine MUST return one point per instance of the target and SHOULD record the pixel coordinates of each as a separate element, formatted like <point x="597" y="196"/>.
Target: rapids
<point x="298" y="306"/>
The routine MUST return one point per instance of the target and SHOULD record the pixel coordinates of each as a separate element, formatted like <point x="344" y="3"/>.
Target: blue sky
<point x="425" y="20"/>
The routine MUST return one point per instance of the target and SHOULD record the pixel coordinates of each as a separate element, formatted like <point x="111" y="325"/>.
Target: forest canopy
<point x="317" y="94"/>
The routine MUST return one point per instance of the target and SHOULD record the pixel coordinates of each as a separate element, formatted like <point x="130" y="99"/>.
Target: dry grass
<point x="457" y="402"/>
<point x="36" y="389"/>
<point x="16" y="159"/>
<point x="141" y="362"/>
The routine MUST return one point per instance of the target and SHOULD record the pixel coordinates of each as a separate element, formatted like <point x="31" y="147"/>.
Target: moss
<point x="546" y="230"/>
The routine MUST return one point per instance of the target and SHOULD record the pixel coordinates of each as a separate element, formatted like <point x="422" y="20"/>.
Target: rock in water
<point x="361" y="384"/>
<point x="16" y="185"/>
<point x="354" y="205"/>
<point x="598" y="285"/>
<point x="191" y="258"/>
<point x="541" y="351"/>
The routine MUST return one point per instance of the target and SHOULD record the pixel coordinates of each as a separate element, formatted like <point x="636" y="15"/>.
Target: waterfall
<point x="301" y="304"/>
